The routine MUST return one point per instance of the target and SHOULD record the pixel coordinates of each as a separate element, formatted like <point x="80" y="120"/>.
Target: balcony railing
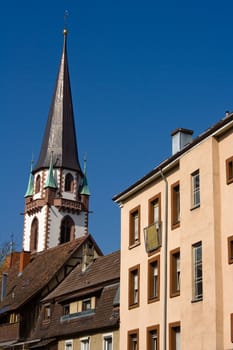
<point x="67" y="204"/>
<point x="60" y="203"/>
<point x="153" y="236"/>
<point x="34" y="204"/>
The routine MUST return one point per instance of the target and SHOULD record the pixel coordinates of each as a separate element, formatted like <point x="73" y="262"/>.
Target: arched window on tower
<point x="34" y="235"/>
<point x="67" y="230"/>
<point x="37" y="187"/>
<point x="69" y="183"/>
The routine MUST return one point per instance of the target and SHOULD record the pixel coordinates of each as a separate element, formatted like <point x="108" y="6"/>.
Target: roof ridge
<point x="63" y="245"/>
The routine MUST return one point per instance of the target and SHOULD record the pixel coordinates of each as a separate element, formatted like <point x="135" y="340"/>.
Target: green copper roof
<point x="50" y="182"/>
<point x="85" y="188"/>
<point x="29" y="191"/>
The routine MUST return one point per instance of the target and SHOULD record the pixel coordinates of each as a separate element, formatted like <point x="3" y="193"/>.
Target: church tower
<point x="57" y="197"/>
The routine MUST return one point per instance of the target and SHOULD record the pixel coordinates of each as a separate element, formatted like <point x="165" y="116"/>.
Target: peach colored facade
<point x="198" y="315"/>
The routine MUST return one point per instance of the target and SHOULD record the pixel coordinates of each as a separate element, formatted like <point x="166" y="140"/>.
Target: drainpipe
<point x="165" y="263"/>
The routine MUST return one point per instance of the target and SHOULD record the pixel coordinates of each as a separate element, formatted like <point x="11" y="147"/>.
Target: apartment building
<point x="177" y="247"/>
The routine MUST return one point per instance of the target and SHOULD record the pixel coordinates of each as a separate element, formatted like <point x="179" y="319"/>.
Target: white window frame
<point x="86" y="304"/>
<point x="106" y="337"/>
<point x="85" y="341"/>
<point x="136" y="226"/>
<point x="47" y="312"/>
<point x="68" y="344"/>
<point x="154" y="339"/>
<point x="155" y="205"/>
<point x="135" y="287"/>
<point x="177" y="258"/>
<point x="134" y="342"/>
<point x="196" y="196"/>
<point x="155" y="279"/>
<point x="197" y="271"/>
<point x="177" y="335"/>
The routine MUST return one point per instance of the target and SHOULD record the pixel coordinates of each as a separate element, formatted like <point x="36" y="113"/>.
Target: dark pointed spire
<point x="59" y="136"/>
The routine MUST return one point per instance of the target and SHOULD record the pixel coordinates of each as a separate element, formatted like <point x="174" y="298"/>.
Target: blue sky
<point x="139" y="70"/>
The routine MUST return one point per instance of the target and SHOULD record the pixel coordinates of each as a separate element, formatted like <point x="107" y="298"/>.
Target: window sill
<point x="152" y="300"/>
<point x="133" y="306"/>
<point x="174" y="294"/>
<point x="196" y="300"/>
<point x="195" y="207"/>
<point x="175" y="225"/>
<point x="136" y="244"/>
<point x="229" y="181"/>
<point x="154" y="251"/>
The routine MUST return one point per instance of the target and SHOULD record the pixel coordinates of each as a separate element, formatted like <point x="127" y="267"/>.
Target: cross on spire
<point x="66" y="15"/>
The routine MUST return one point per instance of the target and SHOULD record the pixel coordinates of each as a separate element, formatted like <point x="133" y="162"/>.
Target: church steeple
<point x="59" y="137"/>
<point x="55" y="210"/>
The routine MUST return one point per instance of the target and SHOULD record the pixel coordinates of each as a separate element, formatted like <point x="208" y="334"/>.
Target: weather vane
<point x="66" y="15"/>
<point x="32" y="160"/>
<point x="85" y="157"/>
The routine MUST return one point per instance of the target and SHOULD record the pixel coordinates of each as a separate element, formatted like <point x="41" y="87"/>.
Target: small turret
<point x="85" y="193"/>
<point x="29" y="191"/>
<point x="50" y="185"/>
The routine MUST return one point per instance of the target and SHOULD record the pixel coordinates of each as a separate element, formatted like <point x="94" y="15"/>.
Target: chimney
<point x="87" y="255"/>
<point x="180" y="138"/>
<point x="13" y="259"/>
<point x="24" y="260"/>
<point x="4" y="281"/>
<point x="227" y="113"/>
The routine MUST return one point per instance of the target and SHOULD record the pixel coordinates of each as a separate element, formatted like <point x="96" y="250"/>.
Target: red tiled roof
<point x="37" y="274"/>
<point x="103" y="269"/>
<point x="102" y="279"/>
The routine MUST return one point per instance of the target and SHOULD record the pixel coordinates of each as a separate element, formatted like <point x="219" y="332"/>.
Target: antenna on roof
<point x="12" y="243"/>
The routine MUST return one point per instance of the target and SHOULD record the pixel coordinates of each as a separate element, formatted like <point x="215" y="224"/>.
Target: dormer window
<point x="69" y="183"/>
<point x="86" y="304"/>
<point x="47" y="313"/>
<point x="37" y="187"/>
<point x="66" y="309"/>
<point x="79" y="308"/>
